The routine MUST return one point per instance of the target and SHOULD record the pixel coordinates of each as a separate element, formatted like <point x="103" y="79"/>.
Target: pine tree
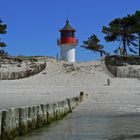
<point x="119" y="30"/>
<point x="3" y="28"/>
<point x="136" y="27"/>
<point x="93" y="44"/>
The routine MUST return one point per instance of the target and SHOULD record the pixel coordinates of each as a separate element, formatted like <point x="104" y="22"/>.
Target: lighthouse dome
<point x="67" y="27"/>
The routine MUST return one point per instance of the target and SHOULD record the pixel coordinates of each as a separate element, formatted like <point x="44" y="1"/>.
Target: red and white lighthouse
<point x="67" y="43"/>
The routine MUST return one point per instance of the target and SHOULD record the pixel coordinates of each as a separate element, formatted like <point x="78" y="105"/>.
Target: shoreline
<point x="61" y="80"/>
<point x="21" y="121"/>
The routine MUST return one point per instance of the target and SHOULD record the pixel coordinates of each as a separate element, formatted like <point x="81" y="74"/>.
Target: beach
<point x="61" y="80"/>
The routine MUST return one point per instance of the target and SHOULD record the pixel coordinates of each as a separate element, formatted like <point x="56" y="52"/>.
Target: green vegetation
<point x="119" y="30"/>
<point x="3" y="28"/>
<point x="136" y="27"/>
<point x="93" y="44"/>
<point x="125" y="30"/>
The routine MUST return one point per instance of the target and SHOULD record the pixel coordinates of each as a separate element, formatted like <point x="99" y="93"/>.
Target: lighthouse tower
<point x="67" y="43"/>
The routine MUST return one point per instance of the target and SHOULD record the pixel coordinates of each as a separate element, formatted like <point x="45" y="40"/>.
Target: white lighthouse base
<point x="67" y="53"/>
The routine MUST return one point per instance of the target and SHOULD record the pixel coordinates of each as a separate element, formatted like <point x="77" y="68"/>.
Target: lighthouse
<point x="67" y="43"/>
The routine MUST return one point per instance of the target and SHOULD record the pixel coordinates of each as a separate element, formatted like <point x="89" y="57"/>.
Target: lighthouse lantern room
<point x="67" y="43"/>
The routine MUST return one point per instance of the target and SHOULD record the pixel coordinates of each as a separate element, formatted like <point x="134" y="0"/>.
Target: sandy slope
<point x="60" y="80"/>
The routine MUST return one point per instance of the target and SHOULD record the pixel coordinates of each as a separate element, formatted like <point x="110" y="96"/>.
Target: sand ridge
<point x="62" y="79"/>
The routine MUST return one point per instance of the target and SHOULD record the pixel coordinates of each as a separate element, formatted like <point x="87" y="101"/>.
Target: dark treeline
<point x="126" y="30"/>
<point x="3" y="30"/>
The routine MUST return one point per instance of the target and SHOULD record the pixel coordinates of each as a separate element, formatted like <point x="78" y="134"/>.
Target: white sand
<point x="11" y="66"/>
<point x="61" y="80"/>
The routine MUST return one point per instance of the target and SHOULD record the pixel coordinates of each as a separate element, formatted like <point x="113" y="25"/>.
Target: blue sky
<point x="33" y="24"/>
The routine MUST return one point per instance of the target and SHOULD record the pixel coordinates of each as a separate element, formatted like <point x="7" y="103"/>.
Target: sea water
<point x="90" y="125"/>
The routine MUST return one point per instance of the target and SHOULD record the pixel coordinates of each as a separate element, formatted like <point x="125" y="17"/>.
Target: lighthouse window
<point x="63" y="34"/>
<point x="67" y="34"/>
<point x="73" y="34"/>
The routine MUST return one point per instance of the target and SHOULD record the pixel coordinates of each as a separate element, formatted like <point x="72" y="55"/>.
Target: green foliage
<point x="2" y="44"/>
<point x="93" y="44"/>
<point x="119" y="29"/>
<point x="135" y="27"/>
<point x="125" y="30"/>
<point x="136" y="22"/>
<point x="3" y="28"/>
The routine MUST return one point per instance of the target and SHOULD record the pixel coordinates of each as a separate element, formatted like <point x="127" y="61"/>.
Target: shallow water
<point x="90" y="126"/>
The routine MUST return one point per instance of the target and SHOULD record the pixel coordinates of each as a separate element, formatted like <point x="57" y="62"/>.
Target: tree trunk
<point x="124" y="41"/>
<point x="124" y="46"/>
<point x="101" y="54"/>
<point x="139" y="42"/>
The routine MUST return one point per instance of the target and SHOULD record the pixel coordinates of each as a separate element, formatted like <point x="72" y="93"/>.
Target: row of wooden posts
<point x="20" y="121"/>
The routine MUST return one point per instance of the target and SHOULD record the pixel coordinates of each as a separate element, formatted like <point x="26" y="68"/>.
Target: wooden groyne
<point x="20" y="121"/>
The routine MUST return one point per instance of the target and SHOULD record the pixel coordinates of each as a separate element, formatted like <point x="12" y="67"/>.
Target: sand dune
<point x="61" y="80"/>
